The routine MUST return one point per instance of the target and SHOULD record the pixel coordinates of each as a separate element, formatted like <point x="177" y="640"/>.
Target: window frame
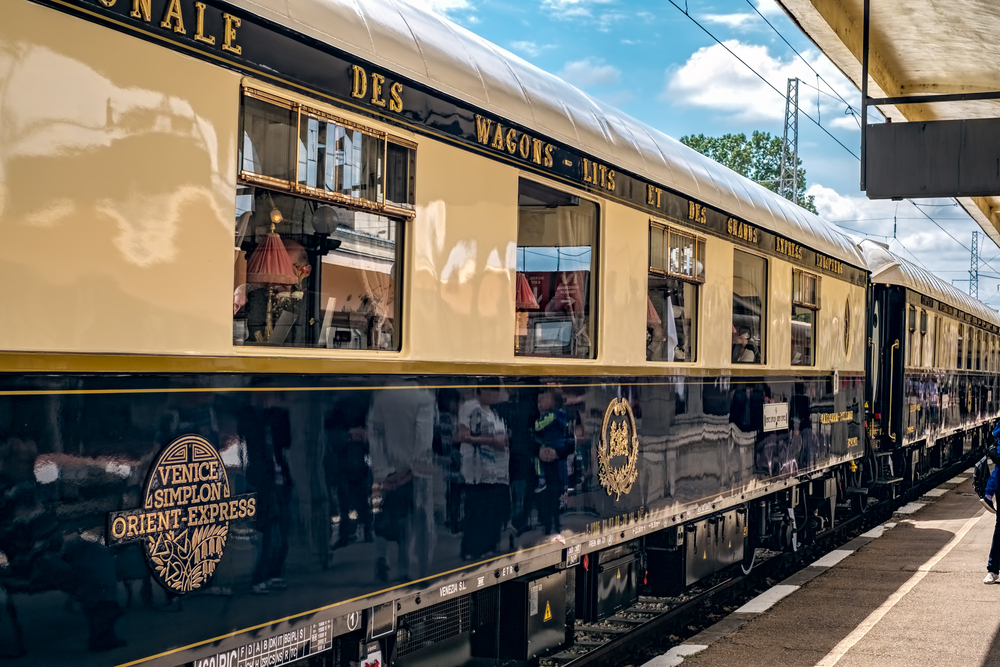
<point x="700" y="243"/>
<point x="814" y="307"/>
<point x="398" y="215"/>
<point x="595" y="279"/>
<point x="764" y="316"/>
<point x="294" y="187"/>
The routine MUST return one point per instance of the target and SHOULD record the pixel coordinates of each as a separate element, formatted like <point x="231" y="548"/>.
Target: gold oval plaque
<point x="619" y="444"/>
<point x="184" y="519"/>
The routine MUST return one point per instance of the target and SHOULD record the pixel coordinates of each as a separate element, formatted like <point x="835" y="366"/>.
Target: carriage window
<point x="979" y="349"/>
<point x="969" y="347"/>
<point x="936" y="342"/>
<point x="805" y="303"/>
<point x="556" y="262"/>
<point x="923" y="336"/>
<point x="676" y="269"/>
<point x="961" y="331"/>
<point x="320" y="210"/>
<point x="749" y="308"/>
<point x="911" y="348"/>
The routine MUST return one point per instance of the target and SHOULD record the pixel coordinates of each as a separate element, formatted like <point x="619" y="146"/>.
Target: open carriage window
<point x="676" y="269"/>
<point x="556" y="264"/>
<point x="320" y="214"/>
<point x="749" y="308"/>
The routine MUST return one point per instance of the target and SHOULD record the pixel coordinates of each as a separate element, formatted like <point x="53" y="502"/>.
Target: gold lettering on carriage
<point x="829" y="264"/>
<point x="786" y="247"/>
<point x="360" y="88"/>
<point x="698" y="213"/>
<point x="742" y="230"/>
<point x="619" y="440"/>
<point x="598" y="174"/>
<point x="184" y="519"/>
<point x="173" y="20"/>
<point x="508" y="140"/>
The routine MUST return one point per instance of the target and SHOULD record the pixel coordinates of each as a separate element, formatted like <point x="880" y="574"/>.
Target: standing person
<point x="485" y="470"/>
<point x="555" y="443"/>
<point x="993" y="563"/>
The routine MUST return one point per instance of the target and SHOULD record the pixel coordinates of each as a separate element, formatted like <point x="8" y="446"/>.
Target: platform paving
<point x="909" y="592"/>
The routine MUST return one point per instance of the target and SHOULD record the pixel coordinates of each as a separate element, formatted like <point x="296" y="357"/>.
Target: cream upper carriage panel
<point x="455" y="61"/>
<point x="892" y="269"/>
<point x="117" y="181"/>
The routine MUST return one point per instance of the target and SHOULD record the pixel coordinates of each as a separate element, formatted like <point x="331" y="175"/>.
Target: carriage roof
<point x="444" y="56"/>
<point x="887" y="267"/>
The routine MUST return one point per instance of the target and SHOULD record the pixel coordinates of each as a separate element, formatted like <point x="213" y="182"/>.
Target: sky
<point x="652" y="60"/>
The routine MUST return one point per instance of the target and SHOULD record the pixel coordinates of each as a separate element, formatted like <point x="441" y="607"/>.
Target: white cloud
<point x="713" y="79"/>
<point x="590" y="72"/>
<point x="733" y="21"/>
<point x="565" y="9"/>
<point x="769" y="8"/>
<point x="917" y="239"/>
<point x="444" y="7"/>
<point x="530" y="48"/>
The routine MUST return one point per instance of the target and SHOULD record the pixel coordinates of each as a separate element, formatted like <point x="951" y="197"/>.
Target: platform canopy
<point x="916" y="47"/>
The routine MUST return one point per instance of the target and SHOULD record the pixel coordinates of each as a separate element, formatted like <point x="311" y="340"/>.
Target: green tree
<point x="758" y="158"/>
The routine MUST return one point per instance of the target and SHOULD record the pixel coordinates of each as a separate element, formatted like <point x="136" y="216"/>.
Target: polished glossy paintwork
<point x="78" y="448"/>
<point x="117" y="183"/>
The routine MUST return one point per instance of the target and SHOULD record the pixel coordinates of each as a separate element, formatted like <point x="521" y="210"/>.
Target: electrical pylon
<point x="788" y="184"/>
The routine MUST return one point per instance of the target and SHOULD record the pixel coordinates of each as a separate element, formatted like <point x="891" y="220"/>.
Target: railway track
<point x="654" y="624"/>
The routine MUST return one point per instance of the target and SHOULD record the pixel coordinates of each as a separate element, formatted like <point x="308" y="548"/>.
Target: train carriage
<point x="340" y="332"/>
<point x="934" y="351"/>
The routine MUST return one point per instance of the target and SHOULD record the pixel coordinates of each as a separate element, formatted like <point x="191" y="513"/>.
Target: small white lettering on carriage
<point x="775" y="416"/>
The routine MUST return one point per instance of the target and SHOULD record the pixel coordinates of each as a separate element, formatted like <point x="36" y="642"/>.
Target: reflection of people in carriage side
<point x="266" y="429"/>
<point x="346" y="467"/>
<point x="39" y="559"/>
<point x="400" y="436"/>
<point x="485" y="469"/>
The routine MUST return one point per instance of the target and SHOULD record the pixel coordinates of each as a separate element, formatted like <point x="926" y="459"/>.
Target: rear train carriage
<point x="341" y="332"/>
<point x="934" y="383"/>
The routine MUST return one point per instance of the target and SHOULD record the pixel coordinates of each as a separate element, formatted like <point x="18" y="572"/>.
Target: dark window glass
<point x="961" y="340"/>
<point x="749" y="308"/>
<point x="556" y="262"/>
<point x="401" y="163"/>
<point x="268" y="147"/>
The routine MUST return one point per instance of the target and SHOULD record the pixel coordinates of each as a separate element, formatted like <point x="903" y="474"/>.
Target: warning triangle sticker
<point x="548" y="612"/>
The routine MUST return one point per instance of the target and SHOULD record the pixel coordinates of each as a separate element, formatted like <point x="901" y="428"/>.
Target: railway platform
<point x="908" y="592"/>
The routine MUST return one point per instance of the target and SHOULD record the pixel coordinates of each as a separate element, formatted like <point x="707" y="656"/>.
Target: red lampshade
<point x="270" y="265"/>
<point x="525" y="298"/>
<point x="652" y="317"/>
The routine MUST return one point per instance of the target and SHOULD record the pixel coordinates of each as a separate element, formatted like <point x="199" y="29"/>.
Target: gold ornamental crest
<point x="184" y="519"/>
<point x="618" y="439"/>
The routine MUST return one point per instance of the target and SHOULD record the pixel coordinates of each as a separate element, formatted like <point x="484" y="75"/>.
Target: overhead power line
<point x="759" y="76"/>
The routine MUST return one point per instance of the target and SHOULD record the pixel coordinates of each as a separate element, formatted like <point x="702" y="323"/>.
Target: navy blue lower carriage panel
<point x="237" y="501"/>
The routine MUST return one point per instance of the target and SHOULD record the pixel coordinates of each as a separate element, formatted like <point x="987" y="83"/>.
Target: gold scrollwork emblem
<point x="618" y="438"/>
